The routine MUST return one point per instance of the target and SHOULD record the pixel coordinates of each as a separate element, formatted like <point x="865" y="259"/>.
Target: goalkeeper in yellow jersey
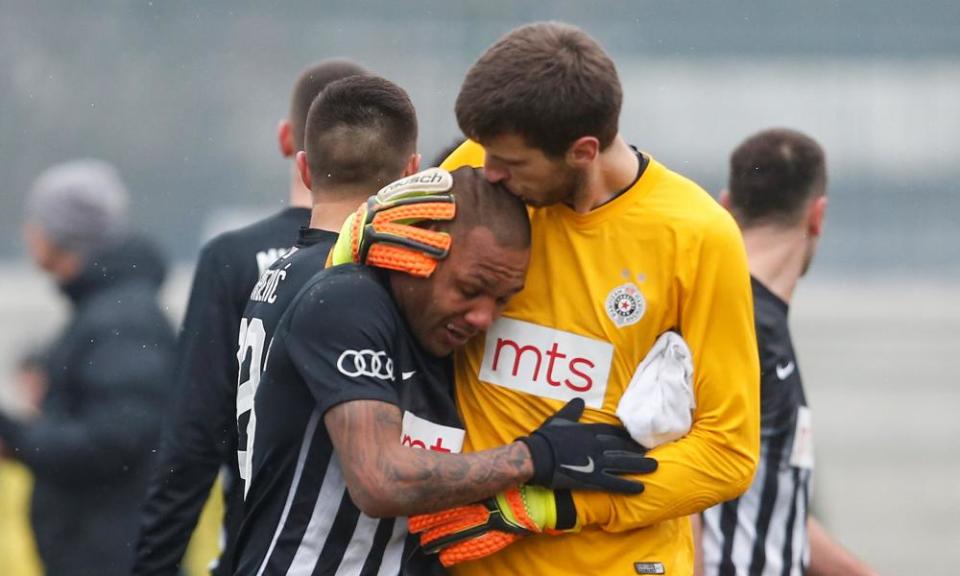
<point x="623" y="251"/>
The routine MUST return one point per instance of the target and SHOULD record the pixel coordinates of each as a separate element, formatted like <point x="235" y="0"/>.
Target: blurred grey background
<point x="185" y="97"/>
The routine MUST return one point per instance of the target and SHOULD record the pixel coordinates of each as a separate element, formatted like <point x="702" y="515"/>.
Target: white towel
<point x="658" y="404"/>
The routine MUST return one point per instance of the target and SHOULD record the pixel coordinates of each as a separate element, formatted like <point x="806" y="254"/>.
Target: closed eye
<point x="470" y="292"/>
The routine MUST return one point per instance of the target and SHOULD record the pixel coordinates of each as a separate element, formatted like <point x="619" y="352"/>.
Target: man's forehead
<point x="484" y="259"/>
<point x="475" y="241"/>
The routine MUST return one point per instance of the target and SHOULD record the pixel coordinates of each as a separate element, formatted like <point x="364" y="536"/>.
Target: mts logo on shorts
<point x="420" y="433"/>
<point x="546" y="362"/>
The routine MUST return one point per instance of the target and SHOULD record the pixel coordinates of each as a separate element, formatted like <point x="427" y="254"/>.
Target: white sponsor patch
<point x="546" y="362"/>
<point x="625" y="305"/>
<point x="420" y="433"/>
<point x="802" y="454"/>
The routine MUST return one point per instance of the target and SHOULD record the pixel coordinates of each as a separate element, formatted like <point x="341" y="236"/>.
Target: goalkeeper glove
<point x="380" y="233"/>
<point x="478" y="530"/>
<point x="569" y="455"/>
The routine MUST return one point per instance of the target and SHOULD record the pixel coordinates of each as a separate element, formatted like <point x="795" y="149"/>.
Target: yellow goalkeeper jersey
<point x="601" y="288"/>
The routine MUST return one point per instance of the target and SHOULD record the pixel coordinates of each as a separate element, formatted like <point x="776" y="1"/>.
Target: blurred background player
<point x="201" y="438"/>
<point x="90" y="445"/>
<point x="623" y="250"/>
<point x="777" y="193"/>
<point x="360" y="134"/>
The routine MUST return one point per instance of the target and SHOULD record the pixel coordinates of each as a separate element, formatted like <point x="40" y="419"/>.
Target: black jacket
<point x="90" y="450"/>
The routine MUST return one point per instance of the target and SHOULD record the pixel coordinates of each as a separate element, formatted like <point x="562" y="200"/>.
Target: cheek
<point x="542" y="178"/>
<point x="434" y="308"/>
<point x="529" y="175"/>
<point x="443" y="307"/>
<point x="450" y="306"/>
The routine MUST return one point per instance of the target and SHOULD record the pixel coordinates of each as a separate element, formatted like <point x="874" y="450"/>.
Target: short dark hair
<point x="311" y="82"/>
<point x="773" y="174"/>
<point x="360" y="130"/>
<point x="487" y="205"/>
<point x="549" y="82"/>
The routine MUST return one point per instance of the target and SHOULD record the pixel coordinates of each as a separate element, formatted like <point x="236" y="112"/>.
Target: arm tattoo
<point x="403" y="480"/>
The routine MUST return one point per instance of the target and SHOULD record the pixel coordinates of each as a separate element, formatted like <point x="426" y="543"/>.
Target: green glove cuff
<point x="549" y="509"/>
<point x="342" y="252"/>
<point x="539" y="505"/>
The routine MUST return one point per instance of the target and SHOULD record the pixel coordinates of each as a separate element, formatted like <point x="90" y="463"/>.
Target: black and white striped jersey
<point x="764" y="532"/>
<point x="342" y="339"/>
<point x="276" y="288"/>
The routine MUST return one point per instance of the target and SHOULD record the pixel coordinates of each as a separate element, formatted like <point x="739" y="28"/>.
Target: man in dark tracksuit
<point x="91" y="445"/>
<point x="201" y="438"/>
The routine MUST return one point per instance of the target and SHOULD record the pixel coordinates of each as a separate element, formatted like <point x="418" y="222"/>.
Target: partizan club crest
<point x="625" y="305"/>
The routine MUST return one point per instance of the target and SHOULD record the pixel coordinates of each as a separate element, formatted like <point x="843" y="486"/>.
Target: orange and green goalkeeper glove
<point x="383" y="232"/>
<point x="481" y="529"/>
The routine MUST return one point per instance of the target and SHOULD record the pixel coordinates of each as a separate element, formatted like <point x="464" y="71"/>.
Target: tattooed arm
<point x="387" y="479"/>
<point x="360" y="405"/>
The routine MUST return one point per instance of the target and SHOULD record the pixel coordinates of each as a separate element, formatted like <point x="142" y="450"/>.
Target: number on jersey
<point x="250" y="356"/>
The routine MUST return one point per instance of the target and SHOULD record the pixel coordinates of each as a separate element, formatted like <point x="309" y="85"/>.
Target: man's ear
<point x="582" y="152"/>
<point x="285" y="138"/>
<point x="413" y="165"/>
<point x="304" y="169"/>
<point x="724" y="199"/>
<point x="816" y="215"/>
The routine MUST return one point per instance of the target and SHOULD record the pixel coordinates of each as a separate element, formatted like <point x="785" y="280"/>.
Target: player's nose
<point x="482" y="314"/>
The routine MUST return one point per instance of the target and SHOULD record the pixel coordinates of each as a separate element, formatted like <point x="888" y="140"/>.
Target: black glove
<point x="569" y="455"/>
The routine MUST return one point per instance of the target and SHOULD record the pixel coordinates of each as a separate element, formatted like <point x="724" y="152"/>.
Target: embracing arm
<point x="361" y="412"/>
<point x="387" y="479"/>
<point x="362" y="417"/>
<point x="717" y="459"/>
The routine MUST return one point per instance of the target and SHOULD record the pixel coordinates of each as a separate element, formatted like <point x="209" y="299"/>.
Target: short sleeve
<point x="342" y="339"/>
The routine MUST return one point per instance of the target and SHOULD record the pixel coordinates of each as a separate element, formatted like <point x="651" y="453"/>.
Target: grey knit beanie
<point x="81" y="205"/>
